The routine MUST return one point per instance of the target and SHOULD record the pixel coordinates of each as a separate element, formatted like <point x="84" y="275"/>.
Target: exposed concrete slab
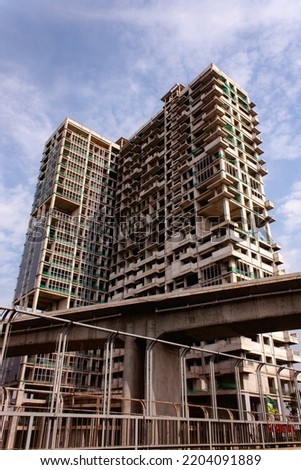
<point x="245" y="308"/>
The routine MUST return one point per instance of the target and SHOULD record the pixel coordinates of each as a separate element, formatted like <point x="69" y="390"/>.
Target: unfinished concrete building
<point x="191" y="203"/>
<point x="68" y="246"/>
<point x="190" y="192"/>
<point x="187" y="208"/>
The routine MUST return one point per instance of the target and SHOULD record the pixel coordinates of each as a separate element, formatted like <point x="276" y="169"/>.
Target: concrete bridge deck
<point x="245" y="308"/>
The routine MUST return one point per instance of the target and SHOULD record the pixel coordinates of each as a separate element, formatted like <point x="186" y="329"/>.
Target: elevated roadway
<point x="245" y="308"/>
<point x="153" y="370"/>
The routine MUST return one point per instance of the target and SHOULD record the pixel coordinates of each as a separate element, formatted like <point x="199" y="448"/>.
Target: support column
<point x="107" y="389"/>
<point x="226" y="207"/>
<point x="133" y="386"/>
<point x="163" y="379"/>
<point x="133" y="376"/>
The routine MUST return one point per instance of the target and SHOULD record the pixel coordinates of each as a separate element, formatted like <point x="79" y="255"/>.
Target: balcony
<point x="215" y="91"/>
<point x="287" y="355"/>
<point x="216" y="110"/>
<point x="213" y="122"/>
<point x="188" y="267"/>
<point x="269" y="205"/>
<point x="183" y="116"/>
<point x="283" y="337"/>
<point x="216" y="133"/>
<point x="256" y="139"/>
<point x="215" y="145"/>
<point x="278" y="258"/>
<point x="263" y="171"/>
<point x="223" y="253"/>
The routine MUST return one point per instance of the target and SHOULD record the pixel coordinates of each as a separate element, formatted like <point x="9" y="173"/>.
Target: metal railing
<point x="38" y="430"/>
<point x="34" y="423"/>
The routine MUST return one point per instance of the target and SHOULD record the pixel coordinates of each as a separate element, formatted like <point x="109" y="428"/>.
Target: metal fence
<point x="38" y="430"/>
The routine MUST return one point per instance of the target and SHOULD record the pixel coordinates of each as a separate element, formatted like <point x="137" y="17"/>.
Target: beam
<point x="246" y="308"/>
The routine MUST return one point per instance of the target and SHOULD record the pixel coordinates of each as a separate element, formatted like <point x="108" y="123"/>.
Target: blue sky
<point x="108" y="63"/>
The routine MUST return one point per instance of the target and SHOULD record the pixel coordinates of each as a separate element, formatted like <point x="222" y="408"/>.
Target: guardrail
<point x="44" y="430"/>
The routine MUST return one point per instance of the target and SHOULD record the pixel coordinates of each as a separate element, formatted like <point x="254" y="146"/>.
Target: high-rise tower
<point x="193" y="212"/>
<point x="68" y="246"/>
<point x="190" y="195"/>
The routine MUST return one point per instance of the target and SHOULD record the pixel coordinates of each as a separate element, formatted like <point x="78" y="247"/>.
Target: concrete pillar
<point x="35" y="299"/>
<point x="133" y="385"/>
<point x="226" y="206"/>
<point x="247" y="403"/>
<point x="151" y="384"/>
<point x="133" y="376"/>
<point x="163" y="380"/>
<point x="245" y="221"/>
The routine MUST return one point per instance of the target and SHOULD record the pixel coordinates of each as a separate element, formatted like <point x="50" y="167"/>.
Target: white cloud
<point x="289" y="228"/>
<point x="290" y="209"/>
<point x="15" y="204"/>
<point x="23" y="120"/>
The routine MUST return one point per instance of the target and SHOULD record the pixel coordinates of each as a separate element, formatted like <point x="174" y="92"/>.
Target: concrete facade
<point x="190" y="197"/>
<point x="68" y="245"/>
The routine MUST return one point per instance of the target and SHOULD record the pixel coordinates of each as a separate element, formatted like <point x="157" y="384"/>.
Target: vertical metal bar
<point x="213" y="387"/>
<point x="112" y="339"/>
<point x="184" y="401"/>
<point x="210" y="434"/>
<point x="104" y="398"/>
<point x="260" y="388"/>
<point x="136" y="421"/>
<point x="262" y="435"/>
<point x="57" y="371"/>
<point x="105" y="381"/>
<point x="55" y="398"/>
<point x="238" y="388"/>
<point x="280" y="394"/>
<point x="149" y="376"/>
<point x="107" y="389"/>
